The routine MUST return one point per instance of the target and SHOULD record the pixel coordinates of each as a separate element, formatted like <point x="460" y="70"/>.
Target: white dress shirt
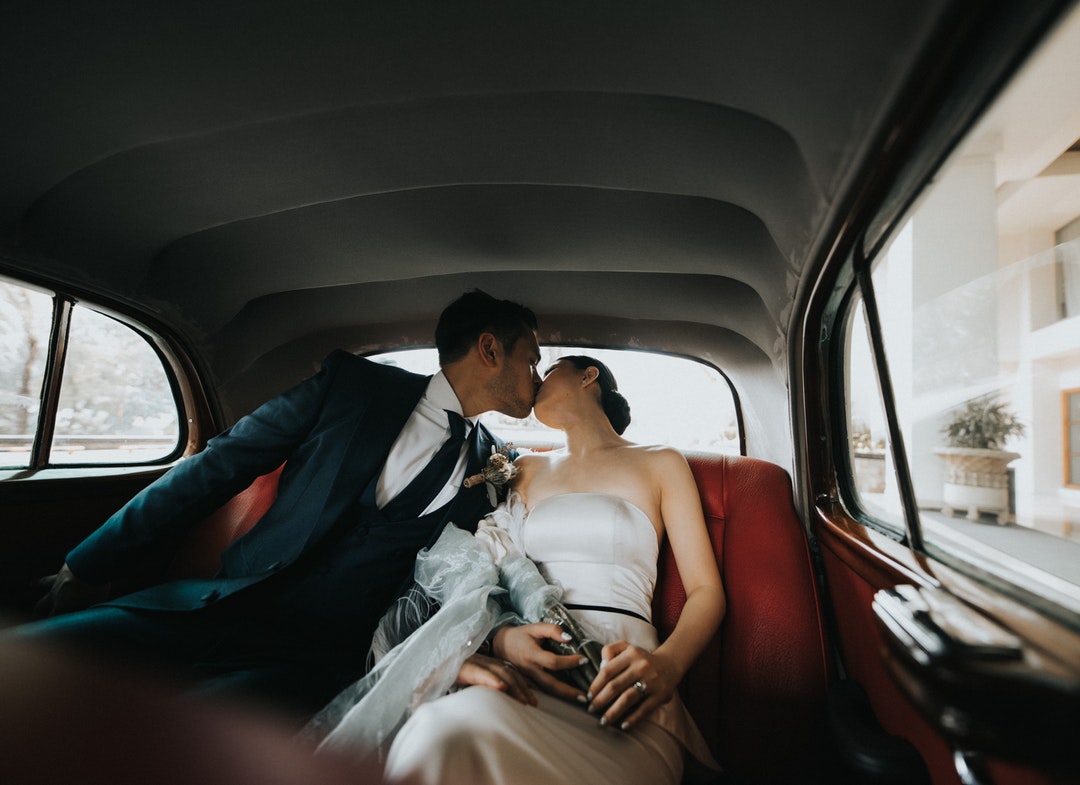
<point x="424" y="432"/>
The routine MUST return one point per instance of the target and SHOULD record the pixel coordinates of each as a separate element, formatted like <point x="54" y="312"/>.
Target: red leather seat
<point x="199" y="556"/>
<point x="758" y="690"/>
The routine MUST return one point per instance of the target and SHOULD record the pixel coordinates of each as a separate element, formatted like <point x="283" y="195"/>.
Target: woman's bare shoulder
<point x="531" y="464"/>
<point x="658" y="453"/>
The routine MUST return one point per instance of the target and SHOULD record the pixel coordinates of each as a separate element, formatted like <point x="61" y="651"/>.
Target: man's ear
<point x="490" y="349"/>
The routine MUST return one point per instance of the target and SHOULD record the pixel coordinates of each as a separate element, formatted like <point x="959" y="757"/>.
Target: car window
<point x="25" y="323"/>
<point x="673" y="400"/>
<point x="116" y="404"/>
<point x="114" y="401"/>
<point x="978" y="293"/>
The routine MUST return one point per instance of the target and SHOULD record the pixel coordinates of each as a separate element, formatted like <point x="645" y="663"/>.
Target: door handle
<point x="934" y="625"/>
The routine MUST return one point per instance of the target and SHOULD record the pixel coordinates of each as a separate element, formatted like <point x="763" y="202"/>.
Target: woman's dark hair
<point x="614" y="404"/>
<point x="476" y="312"/>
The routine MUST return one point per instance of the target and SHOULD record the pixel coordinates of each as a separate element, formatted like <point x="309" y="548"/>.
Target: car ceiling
<point x="270" y="180"/>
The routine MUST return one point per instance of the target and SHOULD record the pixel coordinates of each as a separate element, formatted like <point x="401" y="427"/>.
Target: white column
<point x="954" y="315"/>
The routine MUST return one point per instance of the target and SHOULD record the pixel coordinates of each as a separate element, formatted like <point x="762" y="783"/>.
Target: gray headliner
<point x="270" y="181"/>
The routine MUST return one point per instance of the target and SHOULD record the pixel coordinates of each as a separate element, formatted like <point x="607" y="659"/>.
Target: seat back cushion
<point x="199" y="556"/>
<point x="758" y="690"/>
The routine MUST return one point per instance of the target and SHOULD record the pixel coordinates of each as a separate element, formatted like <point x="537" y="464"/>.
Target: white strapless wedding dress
<point x="603" y="551"/>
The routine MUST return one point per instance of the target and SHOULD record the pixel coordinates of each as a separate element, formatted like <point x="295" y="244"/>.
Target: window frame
<point x="845" y="477"/>
<point x="864" y="286"/>
<point x="195" y="415"/>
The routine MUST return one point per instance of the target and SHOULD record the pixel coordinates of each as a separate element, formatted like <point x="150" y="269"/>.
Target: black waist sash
<point x="607" y="608"/>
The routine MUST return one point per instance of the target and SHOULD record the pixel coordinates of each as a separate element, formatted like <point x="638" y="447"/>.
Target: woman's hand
<point x="483" y="671"/>
<point x="632" y="683"/>
<point x="522" y="647"/>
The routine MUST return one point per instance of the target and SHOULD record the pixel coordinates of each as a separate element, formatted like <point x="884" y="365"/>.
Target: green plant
<point x="982" y="423"/>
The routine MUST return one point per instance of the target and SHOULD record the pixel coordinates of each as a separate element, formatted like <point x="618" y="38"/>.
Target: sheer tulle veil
<point x="476" y="583"/>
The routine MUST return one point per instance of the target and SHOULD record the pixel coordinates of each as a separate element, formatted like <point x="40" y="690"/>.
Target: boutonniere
<point x="496" y="474"/>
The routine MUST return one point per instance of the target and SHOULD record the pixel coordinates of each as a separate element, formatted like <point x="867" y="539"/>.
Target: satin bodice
<point x="601" y="549"/>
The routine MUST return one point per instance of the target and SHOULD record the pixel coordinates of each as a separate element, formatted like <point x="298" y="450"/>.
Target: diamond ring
<point x="640" y="687"/>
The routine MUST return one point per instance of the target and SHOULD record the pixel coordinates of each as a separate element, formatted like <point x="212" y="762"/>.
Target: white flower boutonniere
<point x="496" y="474"/>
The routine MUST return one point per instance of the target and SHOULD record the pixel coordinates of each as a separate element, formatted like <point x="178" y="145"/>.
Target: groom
<point x="289" y="616"/>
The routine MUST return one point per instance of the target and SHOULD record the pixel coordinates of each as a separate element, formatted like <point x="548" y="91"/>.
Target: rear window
<point x="674" y="400"/>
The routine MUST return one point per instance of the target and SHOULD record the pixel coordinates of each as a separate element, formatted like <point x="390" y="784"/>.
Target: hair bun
<point x="617" y="409"/>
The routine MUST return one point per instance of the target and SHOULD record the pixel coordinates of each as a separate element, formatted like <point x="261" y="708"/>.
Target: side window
<point x="869" y="449"/>
<point x="675" y="401"/>
<point x="114" y="403"/>
<point x="979" y="316"/>
<point x="25" y="323"/>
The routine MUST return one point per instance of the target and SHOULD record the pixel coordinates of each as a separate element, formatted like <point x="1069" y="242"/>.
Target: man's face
<point x="514" y="388"/>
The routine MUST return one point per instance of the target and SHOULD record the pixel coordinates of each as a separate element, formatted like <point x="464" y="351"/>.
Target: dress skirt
<point x="481" y="736"/>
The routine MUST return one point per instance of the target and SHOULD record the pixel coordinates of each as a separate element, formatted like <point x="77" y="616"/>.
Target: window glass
<point x="673" y="400"/>
<point x="869" y="454"/>
<point x="977" y="291"/>
<point x="25" y="322"/>
<point x="116" y="404"/>
<point x="1072" y="438"/>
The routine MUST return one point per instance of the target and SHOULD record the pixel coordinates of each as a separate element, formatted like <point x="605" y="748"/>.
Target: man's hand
<point x="522" y="647"/>
<point x="483" y="671"/>
<point x="66" y="592"/>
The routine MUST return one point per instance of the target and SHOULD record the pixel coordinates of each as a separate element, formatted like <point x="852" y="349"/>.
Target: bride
<point x="591" y="517"/>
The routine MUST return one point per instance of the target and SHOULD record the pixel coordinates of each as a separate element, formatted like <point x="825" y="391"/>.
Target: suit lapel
<point x="375" y="430"/>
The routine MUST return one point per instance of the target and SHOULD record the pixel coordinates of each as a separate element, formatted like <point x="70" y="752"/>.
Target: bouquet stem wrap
<point x="580" y="643"/>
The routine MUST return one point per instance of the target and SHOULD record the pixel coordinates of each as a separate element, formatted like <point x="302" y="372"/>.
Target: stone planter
<point x="869" y="471"/>
<point x="977" y="481"/>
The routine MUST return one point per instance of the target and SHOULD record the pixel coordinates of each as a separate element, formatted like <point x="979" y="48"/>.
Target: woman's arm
<point x="613" y="691"/>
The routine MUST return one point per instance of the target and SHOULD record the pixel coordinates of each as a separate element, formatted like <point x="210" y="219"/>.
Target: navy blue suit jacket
<point x="333" y="431"/>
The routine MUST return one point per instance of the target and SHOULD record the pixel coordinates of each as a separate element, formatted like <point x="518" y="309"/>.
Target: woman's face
<point x="561" y="381"/>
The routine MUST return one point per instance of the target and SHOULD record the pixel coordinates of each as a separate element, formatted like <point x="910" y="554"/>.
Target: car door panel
<point x="990" y="715"/>
<point x="45" y="518"/>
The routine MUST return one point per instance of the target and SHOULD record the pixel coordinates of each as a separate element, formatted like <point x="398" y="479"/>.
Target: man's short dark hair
<point x="476" y="312"/>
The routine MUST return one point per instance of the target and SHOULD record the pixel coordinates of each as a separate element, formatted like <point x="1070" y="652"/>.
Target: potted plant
<point x="976" y="462"/>
<point x="869" y="459"/>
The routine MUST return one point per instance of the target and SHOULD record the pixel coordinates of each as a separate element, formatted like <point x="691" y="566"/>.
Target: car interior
<point x="231" y="191"/>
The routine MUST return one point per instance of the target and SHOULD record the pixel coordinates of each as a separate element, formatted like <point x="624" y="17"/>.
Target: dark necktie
<point x="417" y="495"/>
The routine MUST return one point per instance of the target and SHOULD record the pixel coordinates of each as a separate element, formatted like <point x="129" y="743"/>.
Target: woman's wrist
<point x="495" y="641"/>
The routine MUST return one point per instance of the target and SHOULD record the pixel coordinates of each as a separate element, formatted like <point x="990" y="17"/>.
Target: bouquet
<point x="580" y="643"/>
